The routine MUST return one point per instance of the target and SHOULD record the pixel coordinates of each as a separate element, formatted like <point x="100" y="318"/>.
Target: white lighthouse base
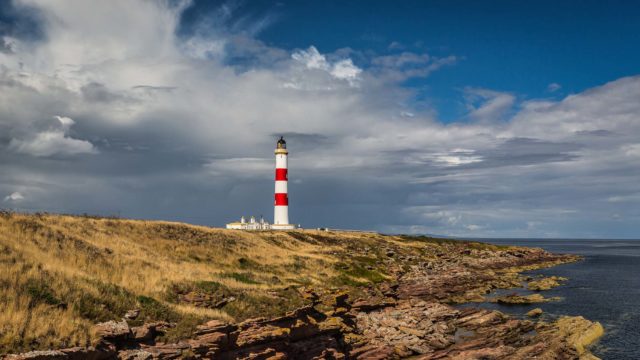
<point x="282" y="226"/>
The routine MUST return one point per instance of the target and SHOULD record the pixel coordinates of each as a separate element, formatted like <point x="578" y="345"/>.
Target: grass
<point x="61" y="274"/>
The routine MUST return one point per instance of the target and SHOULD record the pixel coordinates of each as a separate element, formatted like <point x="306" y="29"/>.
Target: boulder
<point x="535" y="312"/>
<point x="135" y="355"/>
<point x="545" y="283"/>
<point x="114" y="331"/>
<point x="515" y="299"/>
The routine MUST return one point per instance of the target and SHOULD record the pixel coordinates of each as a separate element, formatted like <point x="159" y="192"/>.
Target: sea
<point x="604" y="287"/>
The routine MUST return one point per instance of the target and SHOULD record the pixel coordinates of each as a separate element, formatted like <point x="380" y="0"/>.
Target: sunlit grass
<point x="61" y="274"/>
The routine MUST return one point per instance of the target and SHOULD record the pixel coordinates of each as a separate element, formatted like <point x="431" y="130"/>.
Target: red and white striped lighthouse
<point x="281" y="208"/>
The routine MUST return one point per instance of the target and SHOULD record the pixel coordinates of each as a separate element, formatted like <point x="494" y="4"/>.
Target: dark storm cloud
<point x="527" y="151"/>
<point x="98" y="93"/>
<point x="157" y="125"/>
<point x="20" y="21"/>
<point x="305" y="141"/>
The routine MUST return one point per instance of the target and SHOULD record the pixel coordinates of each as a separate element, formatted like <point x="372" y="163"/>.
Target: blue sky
<point x="461" y="118"/>
<point x="513" y="46"/>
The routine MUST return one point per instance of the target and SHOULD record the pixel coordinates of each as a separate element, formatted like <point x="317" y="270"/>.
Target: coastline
<point x="388" y="297"/>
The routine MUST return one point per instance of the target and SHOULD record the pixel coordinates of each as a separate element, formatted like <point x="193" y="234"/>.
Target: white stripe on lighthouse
<point x="281" y="187"/>
<point x="281" y="161"/>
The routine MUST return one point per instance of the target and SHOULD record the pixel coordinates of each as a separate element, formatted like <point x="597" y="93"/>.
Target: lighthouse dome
<point x="281" y="143"/>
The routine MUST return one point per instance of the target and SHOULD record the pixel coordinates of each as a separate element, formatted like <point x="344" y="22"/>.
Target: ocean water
<point x="604" y="287"/>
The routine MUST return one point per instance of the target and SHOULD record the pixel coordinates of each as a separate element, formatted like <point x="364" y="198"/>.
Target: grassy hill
<point x="61" y="274"/>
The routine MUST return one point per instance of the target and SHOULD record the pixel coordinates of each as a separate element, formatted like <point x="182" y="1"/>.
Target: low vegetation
<point x="62" y="274"/>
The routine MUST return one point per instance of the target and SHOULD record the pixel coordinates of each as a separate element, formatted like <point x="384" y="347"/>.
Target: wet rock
<point x="514" y="299"/>
<point x="579" y="331"/>
<point x="535" y="312"/>
<point x="545" y="283"/>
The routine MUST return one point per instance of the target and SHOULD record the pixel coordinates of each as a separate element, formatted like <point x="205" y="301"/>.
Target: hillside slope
<point x="183" y="291"/>
<point x="61" y="274"/>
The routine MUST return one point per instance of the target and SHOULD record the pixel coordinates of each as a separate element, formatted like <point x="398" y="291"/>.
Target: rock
<point x="310" y="295"/>
<point x="144" y="333"/>
<point x="221" y="303"/>
<point x="135" y="355"/>
<point x="113" y="331"/>
<point x="75" y="353"/>
<point x="407" y="316"/>
<point x="515" y="299"/>
<point x="372" y="352"/>
<point x="168" y="351"/>
<point x="340" y="300"/>
<point x="579" y="331"/>
<point x="535" y="312"/>
<point x="39" y="355"/>
<point x="90" y="353"/>
<point x="545" y="283"/>
<point x="132" y="314"/>
<point x="215" y="326"/>
<point x="372" y="304"/>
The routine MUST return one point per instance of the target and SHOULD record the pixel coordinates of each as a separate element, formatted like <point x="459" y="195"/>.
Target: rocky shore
<point x="409" y="315"/>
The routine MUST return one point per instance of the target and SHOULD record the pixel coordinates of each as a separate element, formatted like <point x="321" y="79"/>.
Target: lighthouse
<point x="281" y="204"/>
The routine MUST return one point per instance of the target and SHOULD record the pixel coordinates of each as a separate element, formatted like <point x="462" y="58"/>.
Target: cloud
<point x="14" y="197"/>
<point x="407" y="65"/>
<point x="632" y="150"/>
<point x="456" y="157"/>
<point x="488" y="105"/>
<point x="186" y="123"/>
<point x="342" y="69"/>
<point x="53" y="142"/>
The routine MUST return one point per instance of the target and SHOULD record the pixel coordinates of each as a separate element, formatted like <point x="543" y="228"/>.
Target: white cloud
<point x="50" y="143"/>
<point x="406" y="65"/>
<point x="488" y="105"/>
<point x="182" y="101"/>
<point x="66" y="122"/>
<point x="457" y="157"/>
<point x="632" y="150"/>
<point x="345" y="70"/>
<point x="53" y="142"/>
<point x="342" y="69"/>
<point x="14" y="197"/>
<point x="312" y="59"/>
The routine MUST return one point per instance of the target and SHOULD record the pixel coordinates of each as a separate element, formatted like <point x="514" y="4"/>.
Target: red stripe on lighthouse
<point x="282" y="199"/>
<point x="281" y="174"/>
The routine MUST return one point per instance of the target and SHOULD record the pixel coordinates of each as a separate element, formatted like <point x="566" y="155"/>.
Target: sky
<point x="457" y="118"/>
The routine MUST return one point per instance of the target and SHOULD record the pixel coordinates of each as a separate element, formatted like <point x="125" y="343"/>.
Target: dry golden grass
<point x="61" y="274"/>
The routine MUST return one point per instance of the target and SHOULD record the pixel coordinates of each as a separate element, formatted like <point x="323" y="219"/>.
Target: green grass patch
<point x="41" y="292"/>
<point x="112" y="303"/>
<point x="246" y="278"/>
<point x="253" y="303"/>
<point x="356" y="272"/>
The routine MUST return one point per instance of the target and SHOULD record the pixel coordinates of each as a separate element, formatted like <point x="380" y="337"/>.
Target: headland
<point x="106" y="288"/>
